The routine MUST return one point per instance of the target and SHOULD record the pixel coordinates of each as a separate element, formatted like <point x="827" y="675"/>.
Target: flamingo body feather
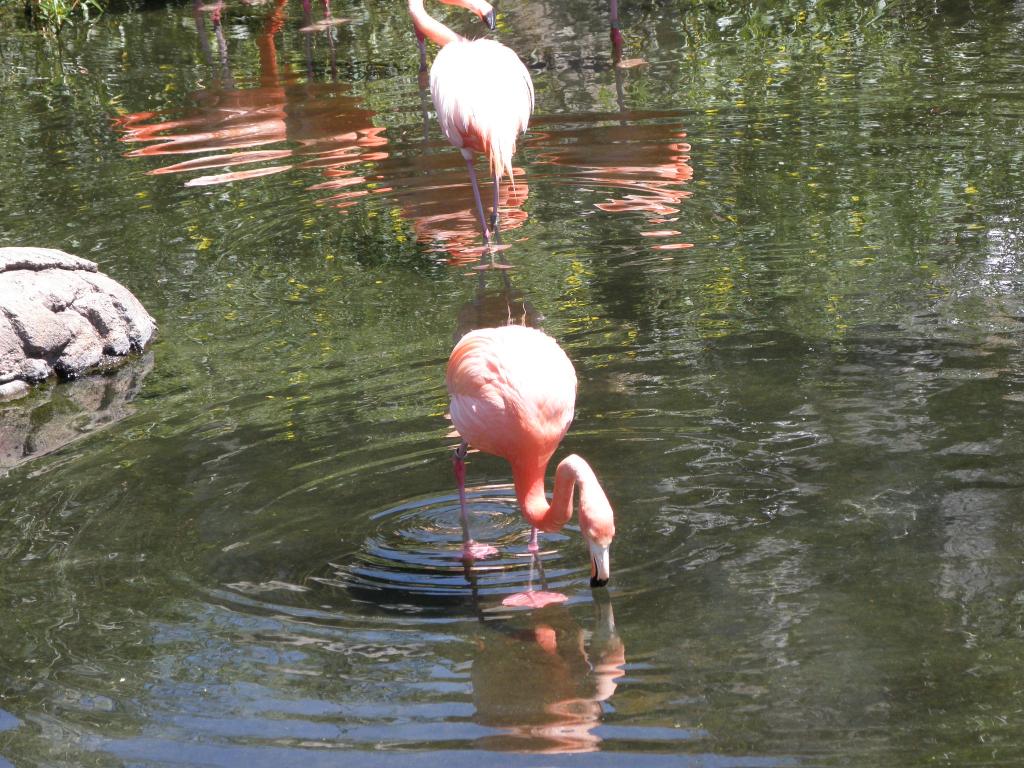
<point x="483" y="96"/>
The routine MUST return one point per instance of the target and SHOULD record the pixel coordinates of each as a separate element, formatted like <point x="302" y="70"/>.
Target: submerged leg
<point x="476" y="195"/>
<point x="421" y="41"/>
<point x="471" y="550"/>
<point x="495" y="215"/>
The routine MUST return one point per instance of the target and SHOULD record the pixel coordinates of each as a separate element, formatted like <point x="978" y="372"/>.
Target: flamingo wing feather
<point x="513" y="392"/>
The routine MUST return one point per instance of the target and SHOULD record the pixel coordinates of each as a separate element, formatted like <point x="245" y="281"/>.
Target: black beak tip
<point x="596" y="582"/>
<point x="492" y="19"/>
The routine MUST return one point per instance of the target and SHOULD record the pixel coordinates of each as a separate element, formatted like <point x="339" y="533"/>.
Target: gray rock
<point x="12" y="390"/>
<point x="60" y="315"/>
<point x="37" y="259"/>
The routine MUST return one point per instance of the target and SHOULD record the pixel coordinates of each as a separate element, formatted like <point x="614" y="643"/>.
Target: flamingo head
<point x="600" y="564"/>
<point x="597" y="524"/>
<point x="481" y="8"/>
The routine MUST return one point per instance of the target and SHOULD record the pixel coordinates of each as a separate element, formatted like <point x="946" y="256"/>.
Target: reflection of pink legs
<point x="616" y="33"/>
<point x="471" y="550"/>
<point x="534" y="598"/>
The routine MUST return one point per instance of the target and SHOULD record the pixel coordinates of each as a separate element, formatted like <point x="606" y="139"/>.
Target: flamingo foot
<point x="536" y="599"/>
<point x="534" y="546"/>
<point x="474" y="550"/>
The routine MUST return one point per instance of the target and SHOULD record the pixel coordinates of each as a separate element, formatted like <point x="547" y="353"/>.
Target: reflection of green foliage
<point x="53" y="15"/>
<point x="761" y="19"/>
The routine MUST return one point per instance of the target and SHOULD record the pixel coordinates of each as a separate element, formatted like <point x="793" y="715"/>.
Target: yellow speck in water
<point x="970" y="190"/>
<point x="204" y="243"/>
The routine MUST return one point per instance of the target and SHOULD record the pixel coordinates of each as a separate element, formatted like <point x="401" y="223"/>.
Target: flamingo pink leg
<point x="421" y="41"/>
<point x="495" y="216"/>
<point x="479" y="202"/>
<point x="471" y="550"/>
<point x="533" y="546"/>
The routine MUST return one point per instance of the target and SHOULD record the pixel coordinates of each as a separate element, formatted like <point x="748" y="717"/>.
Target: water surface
<point x="784" y="255"/>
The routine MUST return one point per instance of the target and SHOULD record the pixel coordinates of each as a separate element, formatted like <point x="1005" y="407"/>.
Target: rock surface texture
<point x="59" y="315"/>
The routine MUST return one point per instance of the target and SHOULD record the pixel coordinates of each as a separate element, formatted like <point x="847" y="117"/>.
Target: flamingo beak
<point x="600" y="565"/>
<point x="491" y="19"/>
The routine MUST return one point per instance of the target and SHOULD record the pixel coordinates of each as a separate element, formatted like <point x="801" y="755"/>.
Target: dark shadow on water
<point x="59" y="414"/>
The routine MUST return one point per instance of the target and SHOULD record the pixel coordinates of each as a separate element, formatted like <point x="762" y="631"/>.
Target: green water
<point x="784" y="254"/>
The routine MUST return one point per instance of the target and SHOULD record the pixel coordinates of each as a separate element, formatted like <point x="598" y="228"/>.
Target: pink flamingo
<point x="482" y="93"/>
<point x="512" y="392"/>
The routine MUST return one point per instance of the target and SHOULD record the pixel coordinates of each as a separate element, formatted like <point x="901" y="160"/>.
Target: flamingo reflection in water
<point x="539" y="677"/>
<point x="432" y="192"/>
<point x="314" y="124"/>
<point x="544" y="685"/>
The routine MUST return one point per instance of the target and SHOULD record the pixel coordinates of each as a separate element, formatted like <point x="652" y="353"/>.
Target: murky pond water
<point x="784" y="253"/>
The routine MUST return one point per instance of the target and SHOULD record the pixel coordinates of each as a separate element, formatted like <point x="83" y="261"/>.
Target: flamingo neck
<point x="572" y="471"/>
<point x="429" y="27"/>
